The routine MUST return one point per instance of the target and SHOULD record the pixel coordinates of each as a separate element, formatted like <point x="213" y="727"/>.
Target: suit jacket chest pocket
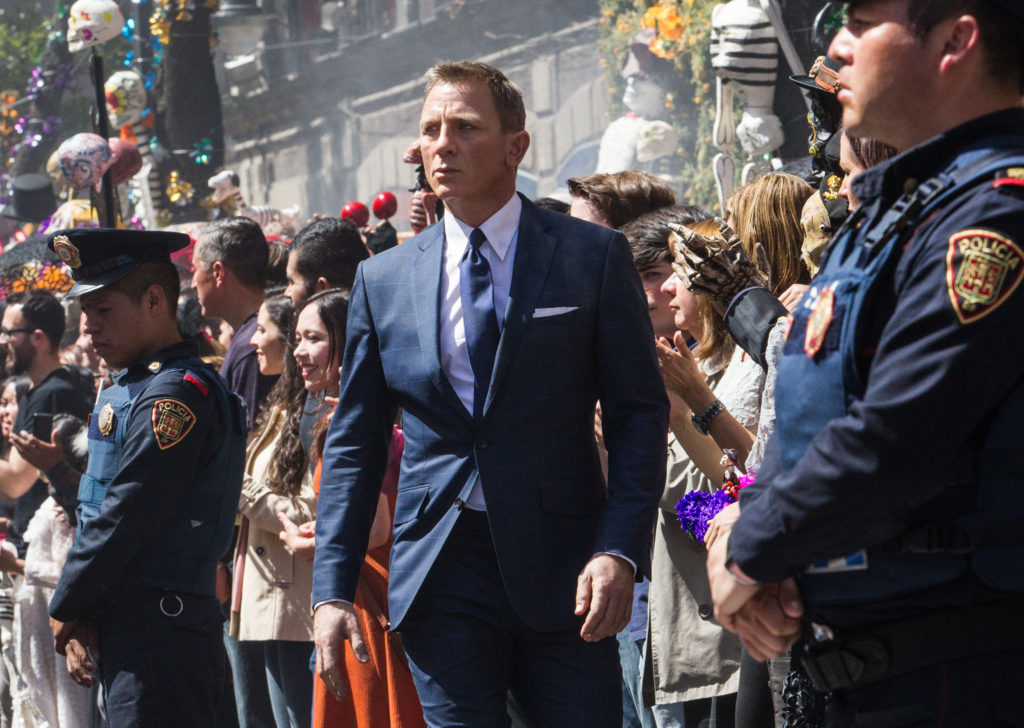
<point x="555" y="331"/>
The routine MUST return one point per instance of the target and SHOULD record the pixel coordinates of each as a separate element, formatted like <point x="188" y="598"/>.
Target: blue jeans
<point x="634" y="713"/>
<point x="249" y="675"/>
<point x="717" y="712"/>
<point x="290" y="682"/>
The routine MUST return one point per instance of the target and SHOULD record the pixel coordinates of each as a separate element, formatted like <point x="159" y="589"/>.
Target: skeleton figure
<point x="228" y="197"/>
<point x="745" y="55"/>
<point x="639" y="139"/>
<point x="126" y="96"/>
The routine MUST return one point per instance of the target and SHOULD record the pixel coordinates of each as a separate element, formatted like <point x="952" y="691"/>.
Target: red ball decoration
<point x="357" y="212"/>
<point x="385" y="205"/>
<point x="125" y="160"/>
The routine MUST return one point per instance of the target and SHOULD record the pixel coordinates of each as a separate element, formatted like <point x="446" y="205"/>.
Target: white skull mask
<point x="92" y="22"/>
<point x="126" y="97"/>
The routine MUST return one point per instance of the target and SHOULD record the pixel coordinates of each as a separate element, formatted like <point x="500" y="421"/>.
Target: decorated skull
<point x="126" y="97"/>
<point x="84" y="158"/>
<point x="92" y="22"/>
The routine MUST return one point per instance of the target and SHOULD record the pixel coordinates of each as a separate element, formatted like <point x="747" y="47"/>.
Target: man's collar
<point x="499" y="229"/>
<point x="155" y="361"/>
<point x="931" y="157"/>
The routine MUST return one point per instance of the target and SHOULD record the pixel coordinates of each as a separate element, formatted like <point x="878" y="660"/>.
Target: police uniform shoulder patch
<point x="172" y="421"/>
<point x="982" y="269"/>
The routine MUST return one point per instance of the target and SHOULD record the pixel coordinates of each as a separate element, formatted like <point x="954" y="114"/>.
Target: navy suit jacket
<point x="548" y="506"/>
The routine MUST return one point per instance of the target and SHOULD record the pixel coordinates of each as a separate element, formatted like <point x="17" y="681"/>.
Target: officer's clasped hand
<point x="718" y="268"/>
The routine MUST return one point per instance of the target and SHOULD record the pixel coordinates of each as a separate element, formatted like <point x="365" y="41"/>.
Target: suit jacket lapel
<point x="534" y="251"/>
<point x="426" y="281"/>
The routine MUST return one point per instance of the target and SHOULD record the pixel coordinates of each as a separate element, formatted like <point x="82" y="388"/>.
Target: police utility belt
<point x="857" y="657"/>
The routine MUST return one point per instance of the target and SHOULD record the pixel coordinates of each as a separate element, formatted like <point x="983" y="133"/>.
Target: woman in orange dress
<point x="379" y="693"/>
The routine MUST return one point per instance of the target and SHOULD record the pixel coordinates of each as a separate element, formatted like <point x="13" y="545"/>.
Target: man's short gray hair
<point x="508" y="97"/>
<point x="239" y="244"/>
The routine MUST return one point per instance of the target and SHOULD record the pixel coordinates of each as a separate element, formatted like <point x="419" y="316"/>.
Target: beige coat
<point x="689" y="655"/>
<point x="276" y="584"/>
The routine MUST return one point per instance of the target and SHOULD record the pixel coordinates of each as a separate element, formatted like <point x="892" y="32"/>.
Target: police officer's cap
<point x="100" y="256"/>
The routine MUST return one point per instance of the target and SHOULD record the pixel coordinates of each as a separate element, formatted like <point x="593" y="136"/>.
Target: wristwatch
<point x="703" y="421"/>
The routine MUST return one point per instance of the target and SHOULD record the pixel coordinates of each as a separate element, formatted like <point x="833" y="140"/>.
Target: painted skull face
<point x="84" y="158"/>
<point x="92" y="22"/>
<point x="126" y="97"/>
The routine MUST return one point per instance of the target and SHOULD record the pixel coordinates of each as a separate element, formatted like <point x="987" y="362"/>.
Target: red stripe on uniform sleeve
<point x="197" y="384"/>
<point x="1003" y="181"/>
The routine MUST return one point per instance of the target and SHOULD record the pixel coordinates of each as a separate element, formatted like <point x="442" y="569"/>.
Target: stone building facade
<point x="322" y="128"/>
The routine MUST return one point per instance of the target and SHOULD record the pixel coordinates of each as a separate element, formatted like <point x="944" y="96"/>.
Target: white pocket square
<point x="553" y="311"/>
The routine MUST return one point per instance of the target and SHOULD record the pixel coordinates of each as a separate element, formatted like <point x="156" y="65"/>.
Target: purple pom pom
<point x="696" y="509"/>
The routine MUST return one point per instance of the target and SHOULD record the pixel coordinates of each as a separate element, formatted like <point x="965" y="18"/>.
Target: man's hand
<point x="769" y="623"/>
<point x="766" y="617"/>
<point x="82" y="654"/>
<point x="332" y="623"/>
<point x="62" y="632"/>
<point x="38" y="454"/>
<point x="728" y="594"/>
<point x="604" y="592"/>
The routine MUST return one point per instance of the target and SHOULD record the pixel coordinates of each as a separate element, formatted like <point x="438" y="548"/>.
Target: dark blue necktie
<point x="481" y="322"/>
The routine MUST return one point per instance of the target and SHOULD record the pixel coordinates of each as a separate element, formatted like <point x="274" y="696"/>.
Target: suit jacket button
<point x="260" y="551"/>
<point x="705" y="611"/>
<point x="459" y="504"/>
<point x="481" y="443"/>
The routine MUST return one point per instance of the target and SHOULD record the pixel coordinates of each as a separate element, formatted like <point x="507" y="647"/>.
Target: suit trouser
<point x="161" y="659"/>
<point x="467" y="649"/>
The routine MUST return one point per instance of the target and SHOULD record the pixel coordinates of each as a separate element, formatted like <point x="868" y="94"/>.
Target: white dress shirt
<point x="501" y="230"/>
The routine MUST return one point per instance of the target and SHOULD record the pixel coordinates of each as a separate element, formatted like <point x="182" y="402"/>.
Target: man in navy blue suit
<point x="495" y="332"/>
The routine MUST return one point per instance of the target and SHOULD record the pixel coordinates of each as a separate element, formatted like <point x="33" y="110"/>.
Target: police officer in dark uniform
<point x="136" y="598"/>
<point x="893" y="490"/>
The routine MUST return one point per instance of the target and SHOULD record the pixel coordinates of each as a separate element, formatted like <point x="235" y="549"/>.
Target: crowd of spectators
<point x="272" y="317"/>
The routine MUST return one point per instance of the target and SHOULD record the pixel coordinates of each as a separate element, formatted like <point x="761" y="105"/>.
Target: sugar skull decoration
<point x="92" y="22"/>
<point x="126" y="98"/>
<point x="125" y="160"/>
<point x="83" y="159"/>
